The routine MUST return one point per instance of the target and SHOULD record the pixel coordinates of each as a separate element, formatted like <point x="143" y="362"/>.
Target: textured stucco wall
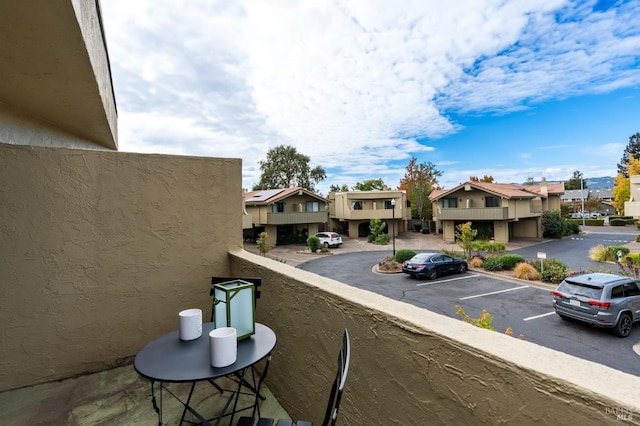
<point x="100" y="250"/>
<point x="410" y="366"/>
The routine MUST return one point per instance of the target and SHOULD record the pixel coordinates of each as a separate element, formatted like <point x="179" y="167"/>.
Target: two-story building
<point x="351" y="212"/>
<point x="287" y="215"/>
<point x="510" y="210"/>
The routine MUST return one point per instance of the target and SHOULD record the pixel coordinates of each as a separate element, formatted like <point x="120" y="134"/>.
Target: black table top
<point x="169" y="359"/>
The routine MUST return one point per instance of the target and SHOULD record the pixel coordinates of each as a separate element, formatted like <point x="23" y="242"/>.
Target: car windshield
<point x="578" y="289"/>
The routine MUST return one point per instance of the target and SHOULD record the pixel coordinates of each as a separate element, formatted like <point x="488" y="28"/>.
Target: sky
<point x="509" y="89"/>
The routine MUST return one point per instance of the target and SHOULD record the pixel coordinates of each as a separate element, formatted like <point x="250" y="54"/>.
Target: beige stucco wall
<point x="101" y="250"/>
<point x="410" y="366"/>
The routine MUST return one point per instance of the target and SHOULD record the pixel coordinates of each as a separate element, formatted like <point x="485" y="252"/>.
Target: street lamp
<point x="393" y="223"/>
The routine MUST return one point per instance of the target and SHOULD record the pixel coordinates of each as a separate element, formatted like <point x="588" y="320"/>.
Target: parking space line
<point x="493" y="292"/>
<point x="540" y="316"/>
<point x="446" y="281"/>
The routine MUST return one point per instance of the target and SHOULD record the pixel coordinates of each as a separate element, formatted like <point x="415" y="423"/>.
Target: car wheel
<point x="432" y="274"/>
<point x="326" y="245"/>
<point x="462" y="268"/>
<point x="623" y="327"/>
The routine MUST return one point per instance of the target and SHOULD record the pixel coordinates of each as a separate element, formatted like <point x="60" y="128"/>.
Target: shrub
<point x="314" y="243"/>
<point x="389" y="264"/>
<point x="526" y="272"/>
<point x="553" y="224"/>
<point x="377" y="235"/>
<point x="425" y="231"/>
<point x="633" y="259"/>
<point x="509" y="261"/>
<point x="638" y="238"/>
<point x="417" y="226"/>
<point x="613" y="252"/>
<point x="493" y="263"/>
<point x="617" y="222"/>
<point x="599" y="253"/>
<point x="476" y="262"/>
<point x="261" y="243"/>
<point x="554" y="271"/>
<point x="453" y="253"/>
<point x="404" y="254"/>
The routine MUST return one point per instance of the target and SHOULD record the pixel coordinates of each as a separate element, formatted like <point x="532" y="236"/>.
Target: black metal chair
<point x="334" y="398"/>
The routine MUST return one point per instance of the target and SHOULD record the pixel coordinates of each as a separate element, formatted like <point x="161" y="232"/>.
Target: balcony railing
<point x="297" y="218"/>
<point x="369" y="214"/>
<point x="485" y="213"/>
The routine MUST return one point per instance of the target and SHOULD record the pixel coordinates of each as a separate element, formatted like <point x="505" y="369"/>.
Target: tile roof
<point x="506" y="190"/>
<point x="269" y="196"/>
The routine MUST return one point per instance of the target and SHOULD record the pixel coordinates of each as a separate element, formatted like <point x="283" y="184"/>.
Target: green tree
<point x="633" y="148"/>
<point x="285" y="167"/>
<point x="465" y="235"/>
<point x="336" y="188"/>
<point x="376" y="232"/>
<point x="370" y="185"/>
<point x="418" y="182"/>
<point x="261" y="243"/>
<point x="553" y="225"/>
<point x="529" y="181"/>
<point x="574" y="181"/>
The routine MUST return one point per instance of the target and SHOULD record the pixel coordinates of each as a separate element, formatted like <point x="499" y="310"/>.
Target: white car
<point x="329" y="239"/>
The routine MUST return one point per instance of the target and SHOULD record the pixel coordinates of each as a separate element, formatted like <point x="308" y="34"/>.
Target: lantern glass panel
<point x="234" y="307"/>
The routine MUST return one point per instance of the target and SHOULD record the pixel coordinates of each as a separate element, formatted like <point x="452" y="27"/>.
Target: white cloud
<point x="351" y="84"/>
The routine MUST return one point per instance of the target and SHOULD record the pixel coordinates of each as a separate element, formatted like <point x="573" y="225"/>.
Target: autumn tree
<point x="576" y="181"/>
<point x="486" y="178"/>
<point x="370" y="185"/>
<point x="419" y="181"/>
<point x="633" y="148"/>
<point x="285" y="167"/>
<point x="621" y="187"/>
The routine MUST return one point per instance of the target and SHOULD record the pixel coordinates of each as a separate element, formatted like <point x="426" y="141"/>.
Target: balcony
<point x="484" y="213"/>
<point x="91" y="271"/>
<point x="368" y="214"/>
<point x="296" y="218"/>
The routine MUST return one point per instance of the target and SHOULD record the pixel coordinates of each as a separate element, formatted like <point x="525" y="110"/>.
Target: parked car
<point x="599" y="299"/>
<point x="329" y="239"/>
<point x="431" y="265"/>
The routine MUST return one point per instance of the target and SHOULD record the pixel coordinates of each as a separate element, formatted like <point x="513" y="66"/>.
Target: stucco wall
<point x="101" y="250"/>
<point x="410" y="366"/>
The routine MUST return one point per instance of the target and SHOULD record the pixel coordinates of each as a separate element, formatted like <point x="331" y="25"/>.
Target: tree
<point x="621" y="187"/>
<point x="486" y="178"/>
<point x="261" y="243"/>
<point x="419" y="181"/>
<point x="370" y="185"/>
<point x="633" y="148"/>
<point x="336" y="188"/>
<point x="575" y="181"/>
<point x="285" y="167"/>
<point x="377" y="234"/>
<point x="465" y="235"/>
<point x="529" y="181"/>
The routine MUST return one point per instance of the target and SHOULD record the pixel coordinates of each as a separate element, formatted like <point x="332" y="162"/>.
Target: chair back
<point x="338" y="384"/>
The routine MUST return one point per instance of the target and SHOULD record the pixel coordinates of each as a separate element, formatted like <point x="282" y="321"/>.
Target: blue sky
<point x="511" y="89"/>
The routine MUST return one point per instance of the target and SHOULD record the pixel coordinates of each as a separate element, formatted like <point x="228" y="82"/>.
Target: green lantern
<point x="234" y="306"/>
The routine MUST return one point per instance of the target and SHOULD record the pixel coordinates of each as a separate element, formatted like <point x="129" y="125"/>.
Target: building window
<point x="313" y="206"/>
<point x="492" y="201"/>
<point x="356" y="205"/>
<point x="450" y="203"/>
<point x="278" y="207"/>
<point x="388" y="205"/>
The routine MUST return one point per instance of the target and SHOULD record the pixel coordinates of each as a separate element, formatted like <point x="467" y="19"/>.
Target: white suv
<point x="329" y="239"/>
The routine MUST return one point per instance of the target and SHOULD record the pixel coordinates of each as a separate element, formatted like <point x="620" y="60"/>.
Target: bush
<point x="476" y="262"/>
<point x="425" y="231"/>
<point x="493" y="263"/>
<point x="314" y="243"/>
<point x="526" y="272"/>
<point x="638" y="238"/>
<point x="617" y="222"/>
<point x="404" y="254"/>
<point x="509" y="261"/>
<point x="488" y="246"/>
<point x="417" y="226"/>
<point x="553" y="225"/>
<point x="613" y="252"/>
<point x="554" y="270"/>
<point x="599" y="253"/>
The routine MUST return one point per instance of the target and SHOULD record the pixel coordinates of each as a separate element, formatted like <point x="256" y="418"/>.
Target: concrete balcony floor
<point x="119" y="396"/>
